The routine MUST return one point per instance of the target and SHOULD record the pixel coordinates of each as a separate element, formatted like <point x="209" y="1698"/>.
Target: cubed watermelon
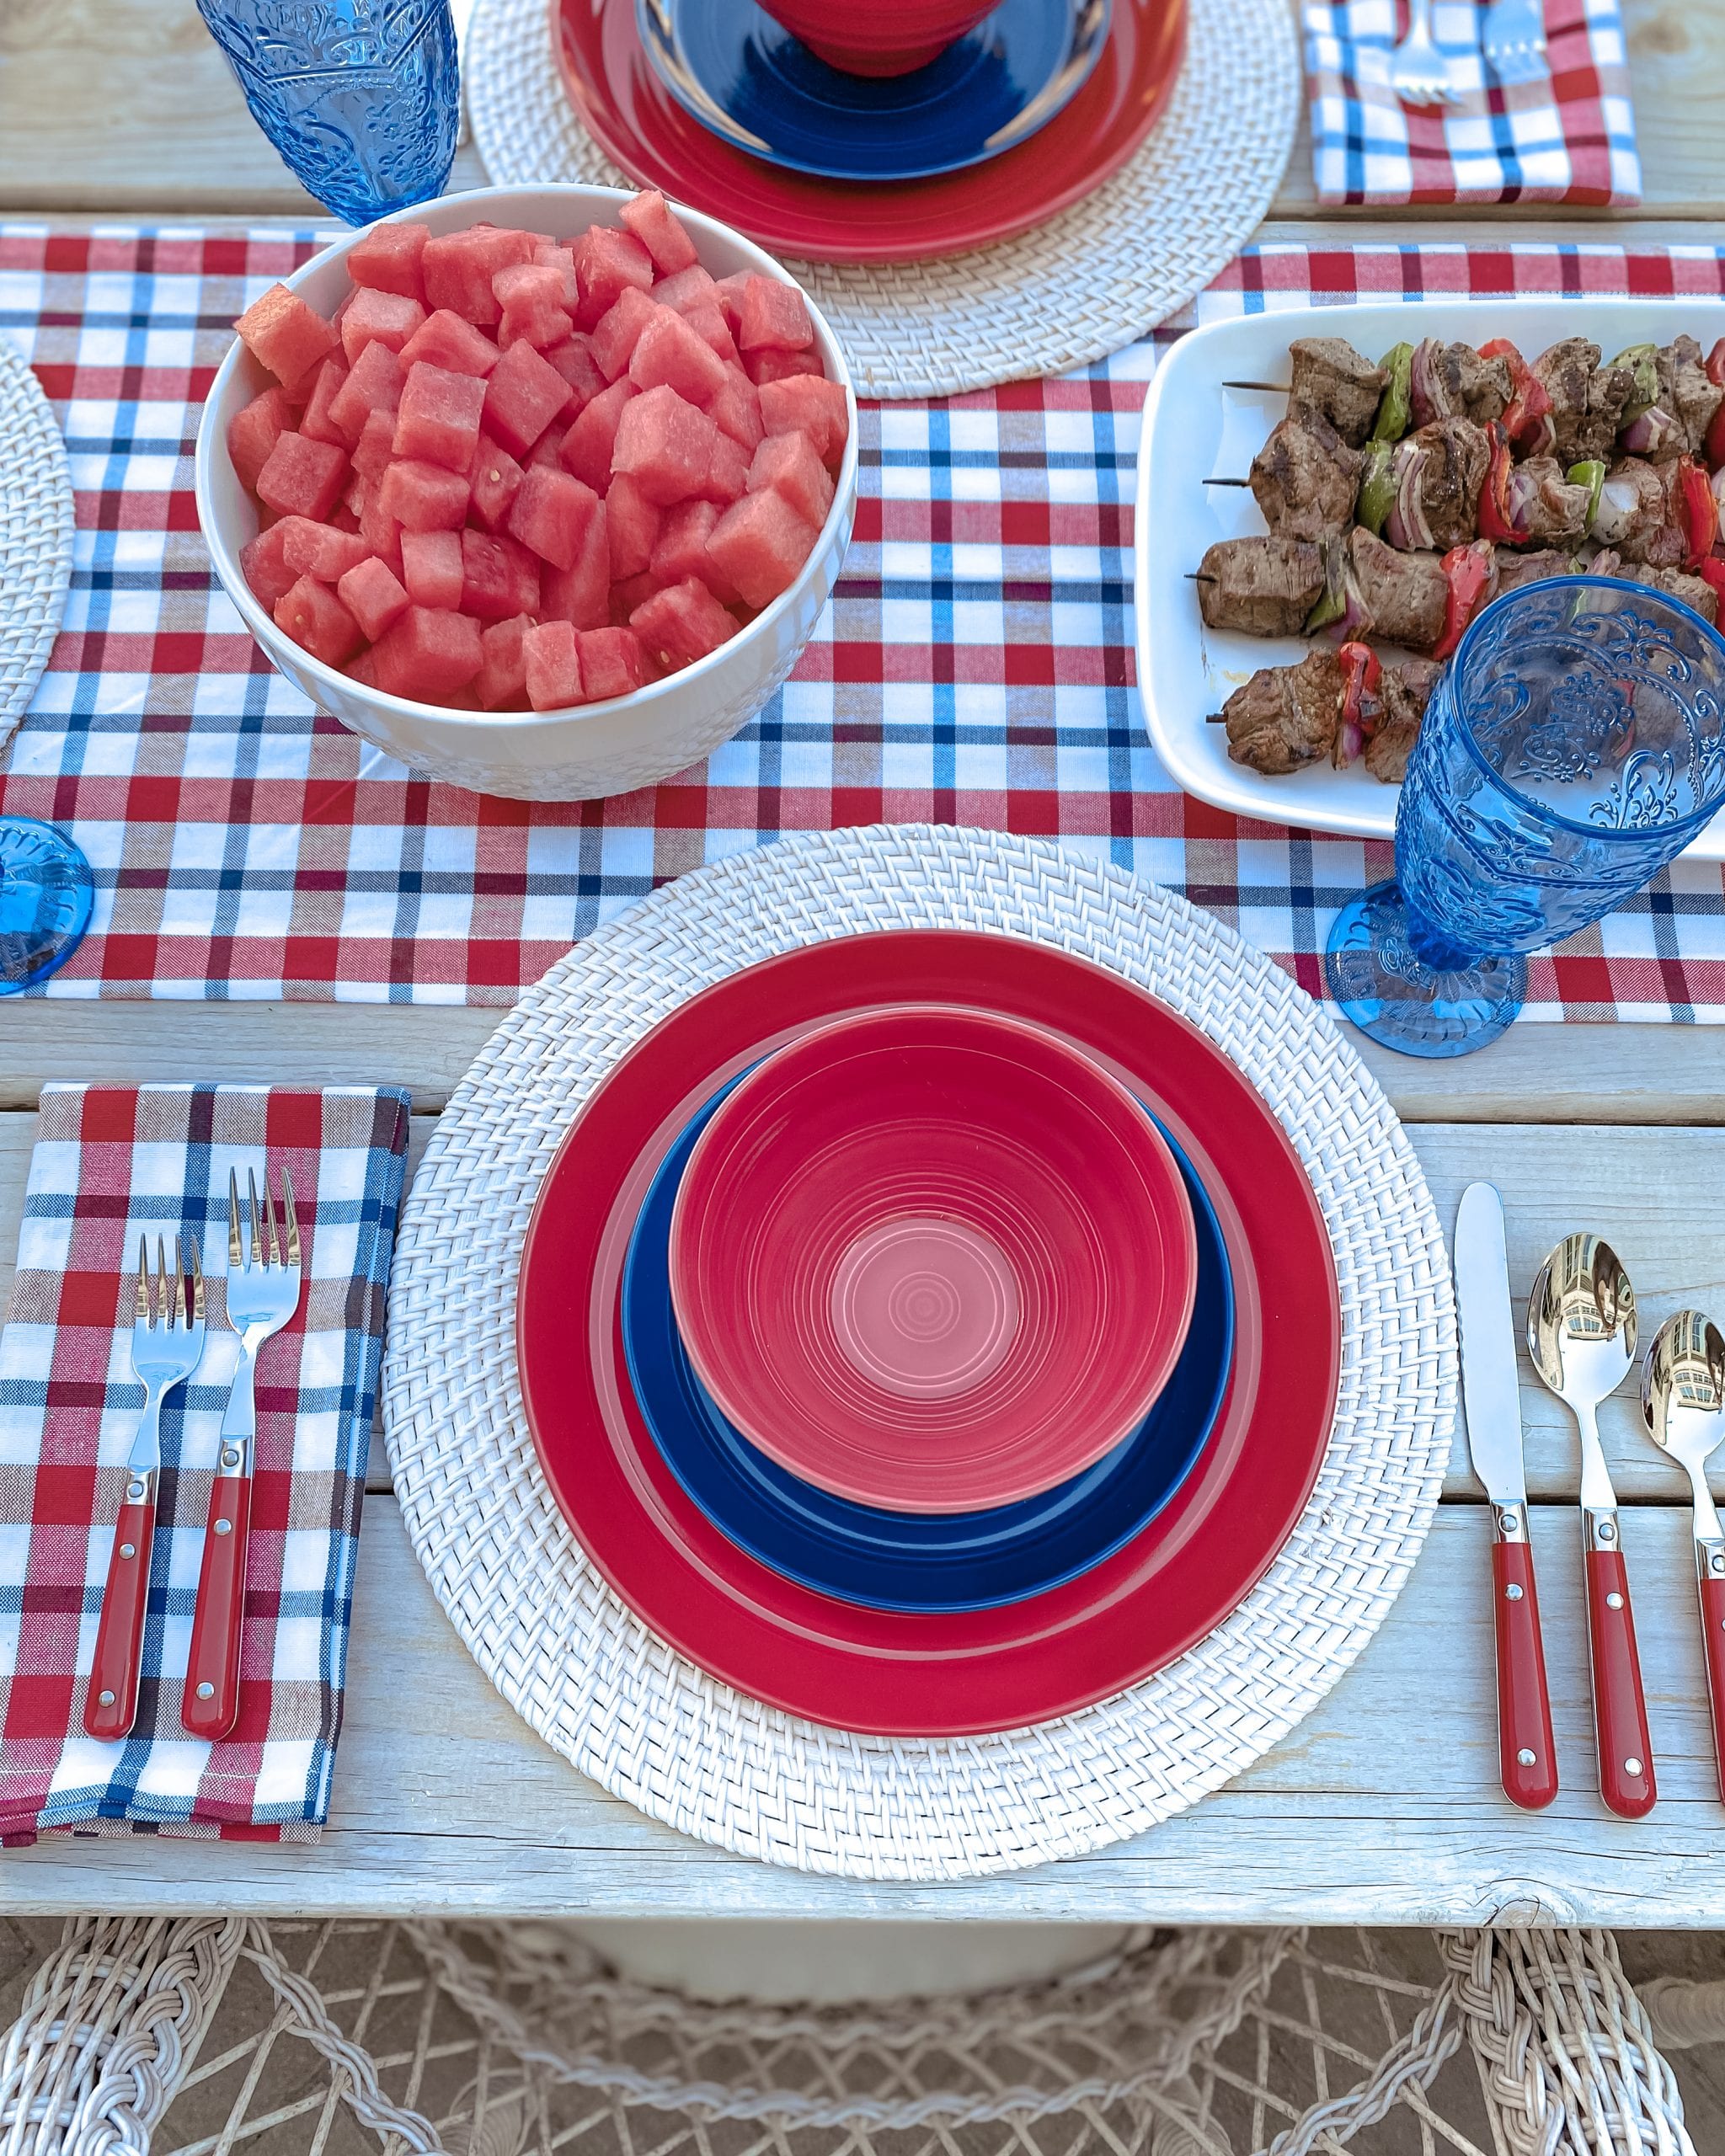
<point x="770" y="364"/>
<point x="552" y="513"/>
<point x="653" y="221"/>
<point x="629" y="592"/>
<point x="374" y="449"/>
<point x="500" y="577"/>
<point x="681" y="551"/>
<point x="372" y="594"/>
<point x="612" y="663"/>
<point x="760" y="543"/>
<point x="614" y="335"/>
<point x="523" y="397"/>
<point x="581" y="593"/>
<point x="326" y="385"/>
<point x="317" y="621"/>
<point x="736" y="410"/>
<point x="431" y="567"/>
<point x="444" y="339"/>
<point x="497" y="478"/>
<point x="553" y="255"/>
<point x="501" y="684"/>
<point x="605" y="262"/>
<point x="788" y="464"/>
<point x="373" y="385"/>
<point x="342" y="518"/>
<point x="574" y="362"/>
<point x="728" y="474"/>
<point x="379" y="318"/>
<point x="302" y="477"/>
<point x="709" y="324"/>
<point x="424" y="497"/>
<point x="427" y="655"/>
<point x="665" y="443"/>
<point x="388" y="259"/>
<point x="552" y="660"/>
<point x="687" y="288"/>
<point x="812" y="405"/>
<point x="631" y="524"/>
<point x="363" y="668"/>
<point x="438" y="417"/>
<point x="587" y="445"/>
<point x="381" y="531"/>
<point x="252" y="430"/>
<point x="682" y="623"/>
<point x="319" y="550"/>
<point x="286" y="335"/>
<point x="459" y="267"/>
<point x="531" y="294"/>
<point x="668" y="351"/>
<point x="774" y="316"/>
<point x="265" y="570"/>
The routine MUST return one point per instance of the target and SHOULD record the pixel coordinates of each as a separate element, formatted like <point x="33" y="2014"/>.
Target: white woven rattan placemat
<point x="35" y="534"/>
<point x="1090" y="281"/>
<point x="601" y="1688"/>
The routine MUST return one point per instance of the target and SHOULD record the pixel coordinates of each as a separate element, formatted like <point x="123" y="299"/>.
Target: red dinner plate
<point x="613" y="86"/>
<point x="932" y="1259"/>
<point x="882" y="1671"/>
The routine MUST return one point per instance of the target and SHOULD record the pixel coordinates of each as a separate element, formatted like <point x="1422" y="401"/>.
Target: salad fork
<point x="263" y="1294"/>
<point x="1512" y="39"/>
<point x="1419" y="74"/>
<point x="167" y="1343"/>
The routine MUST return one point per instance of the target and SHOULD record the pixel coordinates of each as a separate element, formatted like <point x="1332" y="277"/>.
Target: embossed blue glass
<point x="46" y="894"/>
<point x="1574" y="747"/>
<point x="362" y="98"/>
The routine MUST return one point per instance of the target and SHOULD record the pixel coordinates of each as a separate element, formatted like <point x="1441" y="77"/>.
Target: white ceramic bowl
<point x="595" y="749"/>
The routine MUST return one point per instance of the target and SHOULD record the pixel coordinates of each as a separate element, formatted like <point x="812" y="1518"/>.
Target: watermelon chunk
<point x="381" y="531"/>
<point x="773" y="315"/>
<point x="286" y="335"/>
<point x="553" y="255"/>
<point x="727" y="296"/>
<point x="652" y="221"/>
<point x="736" y="410"/>
<point x="530" y="294"/>
<point x="581" y="593"/>
<point x="665" y="443"/>
<point x="263" y="567"/>
<point x="552" y="662"/>
<point x="372" y="594"/>
<point x="632" y="525"/>
<point x="759" y="544"/>
<point x="810" y="404"/>
<point x="444" y="339"/>
<point x="302" y="477"/>
<point x="728" y="474"/>
<point x="612" y="663"/>
<point x="374" y="449"/>
<point x="587" y="447"/>
<point x="605" y="262"/>
<point x="438" y="417"/>
<point x="373" y="385"/>
<point x="522" y="398"/>
<point x="378" y="319"/>
<point x="459" y="267"/>
<point x="500" y="577"/>
<point x="771" y="364"/>
<point x="788" y="463"/>
<point x="424" y="497"/>
<point x="315" y="420"/>
<point x="501" y="684"/>
<point x="629" y="592"/>
<point x="497" y="479"/>
<point x="709" y="324"/>
<point x="362" y="667"/>
<point x="615" y="334"/>
<point x="319" y="550"/>
<point x="681" y="551"/>
<point x="552" y="513"/>
<point x="427" y="655"/>
<point x="317" y="621"/>
<point x="574" y="362"/>
<point x="668" y="351"/>
<point x="687" y="288"/>
<point x="432" y="568"/>
<point x="388" y="258"/>
<point x="681" y="624"/>
<point x="252" y="430"/>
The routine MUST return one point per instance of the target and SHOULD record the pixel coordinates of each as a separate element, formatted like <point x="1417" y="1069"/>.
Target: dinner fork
<point x="167" y="1343"/>
<point x="263" y="1294"/>
<point x="1419" y="74"/>
<point x="1512" y="39"/>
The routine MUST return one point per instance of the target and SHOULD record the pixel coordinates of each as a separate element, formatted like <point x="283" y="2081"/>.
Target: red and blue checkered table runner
<point x="976" y="667"/>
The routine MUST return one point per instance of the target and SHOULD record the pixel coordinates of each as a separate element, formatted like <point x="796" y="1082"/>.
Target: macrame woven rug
<point x="35" y="534"/>
<point x="1088" y="281"/>
<point x="599" y="1688"/>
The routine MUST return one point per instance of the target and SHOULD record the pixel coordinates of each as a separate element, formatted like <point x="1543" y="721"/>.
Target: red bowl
<point x="932" y="1259"/>
<point x="887" y="37"/>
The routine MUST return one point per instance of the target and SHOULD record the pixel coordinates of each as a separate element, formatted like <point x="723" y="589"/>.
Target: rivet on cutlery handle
<point x="1710" y="1565"/>
<point x="1619" y="1706"/>
<point x="1529" y="1752"/>
<point x="111" y="1704"/>
<point x="212" y="1704"/>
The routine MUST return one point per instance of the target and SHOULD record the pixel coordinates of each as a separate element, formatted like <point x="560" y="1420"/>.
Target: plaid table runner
<point x="111" y="1163"/>
<point x="976" y="667"/>
<point x="1569" y="137"/>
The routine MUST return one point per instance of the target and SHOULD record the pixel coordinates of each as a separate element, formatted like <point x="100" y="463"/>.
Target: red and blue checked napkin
<point x="1569" y="137"/>
<point x="112" y="1163"/>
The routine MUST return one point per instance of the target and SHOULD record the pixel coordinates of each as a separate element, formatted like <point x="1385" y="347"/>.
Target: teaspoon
<point x="1683" y="1403"/>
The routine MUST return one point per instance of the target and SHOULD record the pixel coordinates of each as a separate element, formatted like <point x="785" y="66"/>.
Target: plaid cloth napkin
<point x="1567" y="138"/>
<point x="112" y="1163"/>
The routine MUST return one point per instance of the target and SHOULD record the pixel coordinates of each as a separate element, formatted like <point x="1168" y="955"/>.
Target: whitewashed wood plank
<point x="1381" y="1808"/>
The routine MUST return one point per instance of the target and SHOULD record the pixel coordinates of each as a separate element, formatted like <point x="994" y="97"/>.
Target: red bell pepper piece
<point x="1530" y="400"/>
<point x="1713" y="571"/>
<point x="1493" y="511"/>
<point x="1715" y="363"/>
<point x="1713" y="449"/>
<point x="1468" y="571"/>
<point x="1362" y="708"/>
<point x="1700" y="512"/>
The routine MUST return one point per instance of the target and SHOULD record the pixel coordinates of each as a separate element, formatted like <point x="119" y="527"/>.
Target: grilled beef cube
<point x="1637" y="516"/>
<point x="1694" y="591"/>
<point x="1387" y="751"/>
<point x="1406" y="596"/>
<point x="1686" y="394"/>
<point x="1262" y="586"/>
<point x="1513" y="568"/>
<point x="1586" y="399"/>
<point x="1556" y="513"/>
<point x="1457" y="454"/>
<point x="1326" y="375"/>
<point x="1452" y="382"/>
<point x="1286" y="717"/>
<point x="1305" y="477"/>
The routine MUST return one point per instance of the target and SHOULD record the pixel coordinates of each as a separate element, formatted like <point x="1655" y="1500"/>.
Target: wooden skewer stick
<point x="1227" y="483"/>
<point x="1279" y="388"/>
<point x="1197" y="576"/>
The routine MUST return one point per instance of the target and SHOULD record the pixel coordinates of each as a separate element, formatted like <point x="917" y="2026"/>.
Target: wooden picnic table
<point x="1383" y="1806"/>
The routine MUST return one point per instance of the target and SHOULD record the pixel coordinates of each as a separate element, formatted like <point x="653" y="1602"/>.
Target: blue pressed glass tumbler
<point x="46" y="892"/>
<point x="362" y="98"/>
<point x="1574" y="747"/>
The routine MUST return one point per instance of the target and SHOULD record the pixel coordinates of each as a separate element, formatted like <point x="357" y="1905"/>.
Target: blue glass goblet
<point x="1574" y="747"/>
<point x="362" y="98"/>
<point x="45" y="895"/>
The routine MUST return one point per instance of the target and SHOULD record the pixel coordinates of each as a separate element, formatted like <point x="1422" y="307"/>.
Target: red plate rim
<point x="884" y="1672"/>
<point x="642" y="128"/>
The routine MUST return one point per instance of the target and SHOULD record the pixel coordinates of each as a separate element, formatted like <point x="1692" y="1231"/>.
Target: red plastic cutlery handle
<point x="1620" y="1707"/>
<point x="211" y="1706"/>
<point x="112" y="1701"/>
<point x="1712" y="1591"/>
<point x="1528" y="1750"/>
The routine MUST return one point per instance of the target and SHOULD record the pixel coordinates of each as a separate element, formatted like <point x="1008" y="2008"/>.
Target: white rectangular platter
<point x="1196" y="431"/>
